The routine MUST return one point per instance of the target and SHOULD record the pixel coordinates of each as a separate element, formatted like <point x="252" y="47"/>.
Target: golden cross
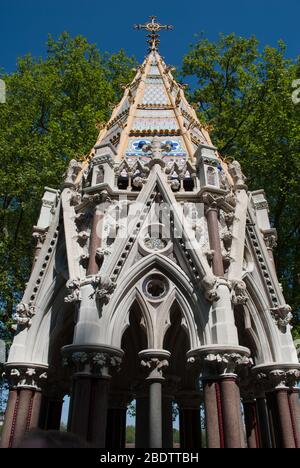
<point x="153" y="27"/>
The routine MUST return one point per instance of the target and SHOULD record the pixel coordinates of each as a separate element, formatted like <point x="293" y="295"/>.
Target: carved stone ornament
<point x="73" y="170"/>
<point x="73" y="285"/>
<point x="24" y="314"/>
<point x="97" y="198"/>
<point x="239" y="292"/>
<point x="26" y="376"/>
<point x="282" y="315"/>
<point x="154" y="363"/>
<point x="104" y="288"/>
<point x="237" y="175"/>
<point x="211" y="284"/>
<point x="82" y="238"/>
<point x="97" y="362"/>
<point x="217" y="363"/>
<point x="270" y="238"/>
<point x="275" y="378"/>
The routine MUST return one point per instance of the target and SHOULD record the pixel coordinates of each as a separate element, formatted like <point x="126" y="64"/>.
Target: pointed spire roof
<point x="154" y="105"/>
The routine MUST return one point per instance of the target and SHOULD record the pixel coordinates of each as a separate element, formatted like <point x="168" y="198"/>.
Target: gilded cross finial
<point x="153" y="27"/>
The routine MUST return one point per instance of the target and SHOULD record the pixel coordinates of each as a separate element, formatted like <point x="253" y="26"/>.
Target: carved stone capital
<point x="92" y="360"/>
<point x="276" y="377"/>
<point x="93" y="200"/>
<point x="212" y="201"/>
<point x="26" y="375"/>
<point x="282" y="316"/>
<point x="155" y="362"/>
<point x="24" y="314"/>
<point x="220" y="361"/>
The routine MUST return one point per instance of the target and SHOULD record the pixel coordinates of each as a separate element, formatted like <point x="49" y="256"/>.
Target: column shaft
<point x="95" y="243"/>
<point x="10" y="417"/>
<point x="251" y="422"/>
<point x="155" y="415"/>
<point x="295" y="414"/>
<point x="212" y="415"/>
<point x="231" y="412"/>
<point x="23" y="416"/>
<point x="264" y="423"/>
<point x="80" y="407"/>
<point x="214" y="241"/>
<point x="285" y="420"/>
<point x="89" y="409"/>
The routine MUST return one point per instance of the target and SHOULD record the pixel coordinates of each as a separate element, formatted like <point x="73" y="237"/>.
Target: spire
<point x="154" y="106"/>
<point x="153" y="27"/>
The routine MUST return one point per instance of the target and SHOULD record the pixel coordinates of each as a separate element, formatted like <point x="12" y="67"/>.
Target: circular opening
<point x="155" y="287"/>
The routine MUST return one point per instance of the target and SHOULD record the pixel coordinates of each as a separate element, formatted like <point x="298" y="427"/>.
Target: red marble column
<point x="10" y="419"/>
<point x="213" y="415"/>
<point x="214" y="240"/>
<point x="95" y="243"/>
<point x="294" y="405"/>
<point x="231" y="412"/>
<point x="282" y="425"/>
<point x="25" y="416"/>
<point x="251" y="423"/>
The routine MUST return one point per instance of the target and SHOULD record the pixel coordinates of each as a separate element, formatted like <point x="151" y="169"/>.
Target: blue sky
<point x="25" y="24"/>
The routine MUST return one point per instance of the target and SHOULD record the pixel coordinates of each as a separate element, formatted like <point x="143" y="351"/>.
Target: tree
<point x="245" y="95"/>
<point x="52" y="114"/>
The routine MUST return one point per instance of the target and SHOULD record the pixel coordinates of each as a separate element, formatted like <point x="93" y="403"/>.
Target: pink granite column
<point x="213" y="414"/>
<point x="230" y="398"/>
<point x="251" y="423"/>
<point x="294" y="405"/>
<point x="95" y="243"/>
<point x="214" y="238"/>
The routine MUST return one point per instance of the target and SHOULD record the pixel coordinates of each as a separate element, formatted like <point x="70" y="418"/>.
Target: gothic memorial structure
<point x="154" y="281"/>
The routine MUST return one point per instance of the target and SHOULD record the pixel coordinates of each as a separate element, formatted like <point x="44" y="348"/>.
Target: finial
<point x="153" y="27"/>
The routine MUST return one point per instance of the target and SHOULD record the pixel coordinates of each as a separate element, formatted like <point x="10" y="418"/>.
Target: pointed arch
<point x="259" y="310"/>
<point x="127" y="292"/>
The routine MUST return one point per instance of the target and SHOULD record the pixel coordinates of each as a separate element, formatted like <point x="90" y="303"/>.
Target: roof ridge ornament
<point x="153" y="27"/>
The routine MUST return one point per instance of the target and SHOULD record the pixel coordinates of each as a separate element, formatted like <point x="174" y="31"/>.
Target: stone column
<point x="263" y="421"/>
<point x="190" y="420"/>
<point x="51" y="409"/>
<point x="95" y="258"/>
<point x="116" y="420"/>
<point x="91" y="380"/>
<point x="251" y="423"/>
<point x="212" y="213"/>
<point x="213" y="414"/>
<point x="24" y="402"/>
<point x="155" y="361"/>
<point x="279" y="382"/>
<point x="294" y="405"/>
<point x="221" y="366"/>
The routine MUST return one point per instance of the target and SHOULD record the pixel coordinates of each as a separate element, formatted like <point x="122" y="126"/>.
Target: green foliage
<point x="246" y="96"/>
<point x="130" y="434"/>
<point x="54" y="106"/>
